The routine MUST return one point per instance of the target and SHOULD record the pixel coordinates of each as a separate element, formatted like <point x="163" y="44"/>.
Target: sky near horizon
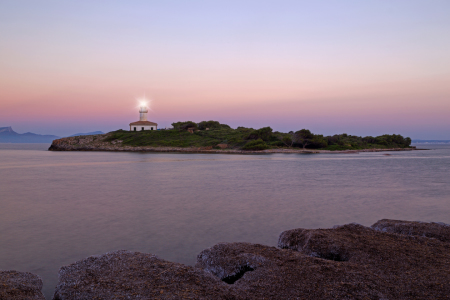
<point x="359" y="67"/>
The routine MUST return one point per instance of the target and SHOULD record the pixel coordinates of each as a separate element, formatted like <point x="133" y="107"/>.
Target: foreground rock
<point x="20" y="286"/>
<point x="391" y="260"/>
<point x="438" y="231"/>
<point x="263" y="272"/>
<point x="410" y="267"/>
<point x="134" y="275"/>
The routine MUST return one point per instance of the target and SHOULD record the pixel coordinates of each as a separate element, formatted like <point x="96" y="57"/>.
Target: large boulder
<point x="418" y="267"/>
<point x="20" y="286"/>
<point x="134" y="275"/>
<point x="263" y="272"/>
<point x="438" y="231"/>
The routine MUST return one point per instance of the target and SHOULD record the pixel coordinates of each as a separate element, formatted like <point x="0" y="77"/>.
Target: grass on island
<point x="212" y="133"/>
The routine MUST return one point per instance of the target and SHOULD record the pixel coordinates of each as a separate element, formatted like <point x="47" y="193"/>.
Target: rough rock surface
<point x="438" y="231"/>
<point x="416" y="267"/>
<point x="20" y="286"/>
<point x="263" y="272"/>
<point x="134" y="275"/>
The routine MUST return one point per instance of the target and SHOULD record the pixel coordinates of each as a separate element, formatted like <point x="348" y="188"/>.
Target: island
<point x="214" y="137"/>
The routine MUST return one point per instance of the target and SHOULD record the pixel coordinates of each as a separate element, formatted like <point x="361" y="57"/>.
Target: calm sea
<point x="60" y="207"/>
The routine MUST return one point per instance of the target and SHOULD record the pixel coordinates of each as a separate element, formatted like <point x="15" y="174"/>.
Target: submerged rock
<point x="415" y="267"/>
<point x="134" y="275"/>
<point x="20" y="286"/>
<point x="438" y="231"/>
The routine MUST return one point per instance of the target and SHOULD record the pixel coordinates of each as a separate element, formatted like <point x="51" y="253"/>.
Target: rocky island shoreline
<point x="104" y="142"/>
<point x="391" y="259"/>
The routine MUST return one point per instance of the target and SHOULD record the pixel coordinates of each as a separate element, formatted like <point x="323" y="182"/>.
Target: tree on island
<point x="185" y="125"/>
<point x="288" y="139"/>
<point x="211" y="125"/>
<point x="303" y="137"/>
<point x="264" y="134"/>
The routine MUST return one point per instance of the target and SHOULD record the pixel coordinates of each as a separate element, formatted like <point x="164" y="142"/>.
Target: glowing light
<point x="143" y="102"/>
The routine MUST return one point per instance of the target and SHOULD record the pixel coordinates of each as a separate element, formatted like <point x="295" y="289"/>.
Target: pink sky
<point x="364" y="69"/>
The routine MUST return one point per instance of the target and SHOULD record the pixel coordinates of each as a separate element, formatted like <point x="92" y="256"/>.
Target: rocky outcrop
<point x="86" y="142"/>
<point x="20" y="286"/>
<point x="411" y="267"/>
<point x="134" y="275"/>
<point x="263" y="272"/>
<point x="440" y="231"/>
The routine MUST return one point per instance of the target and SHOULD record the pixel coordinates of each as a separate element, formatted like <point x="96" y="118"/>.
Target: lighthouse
<point x="143" y="124"/>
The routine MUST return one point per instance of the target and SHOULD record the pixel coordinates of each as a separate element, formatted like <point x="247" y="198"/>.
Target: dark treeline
<point x="265" y="138"/>
<point x="305" y="139"/>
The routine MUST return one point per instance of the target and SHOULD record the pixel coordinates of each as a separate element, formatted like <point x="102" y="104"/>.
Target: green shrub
<point x="258" y="144"/>
<point x="184" y="125"/>
<point x="211" y="125"/>
<point x="276" y="143"/>
<point x="264" y="134"/>
<point x="318" y="141"/>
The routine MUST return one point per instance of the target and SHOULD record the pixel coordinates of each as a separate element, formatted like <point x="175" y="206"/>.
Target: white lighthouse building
<point x="143" y="124"/>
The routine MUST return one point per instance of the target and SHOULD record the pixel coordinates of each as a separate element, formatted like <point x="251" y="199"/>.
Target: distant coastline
<point x="8" y="135"/>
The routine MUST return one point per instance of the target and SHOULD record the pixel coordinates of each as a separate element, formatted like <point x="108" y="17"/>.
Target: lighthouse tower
<point x="143" y="113"/>
<point x="143" y="124"/>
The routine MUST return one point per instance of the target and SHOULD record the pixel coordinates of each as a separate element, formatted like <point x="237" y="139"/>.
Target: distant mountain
<point x="430" y="141"/>
<point x="87" y="133"/>
<point x="8" y="135"/>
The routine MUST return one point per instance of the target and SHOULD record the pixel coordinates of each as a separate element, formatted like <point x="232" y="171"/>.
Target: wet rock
<point x="438" y="231"/>
<point x="263" y="272"/>
<point x="417" y="267"/>
<point x="134" y="275"/>
<point x="20" y="286"/>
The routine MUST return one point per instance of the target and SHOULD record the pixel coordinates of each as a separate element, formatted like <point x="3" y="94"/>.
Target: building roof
<point x="148" y="123"/>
